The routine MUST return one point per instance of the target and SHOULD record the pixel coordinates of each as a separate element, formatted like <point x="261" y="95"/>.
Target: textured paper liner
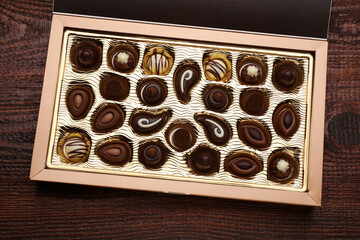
<point x="176" y="167"/>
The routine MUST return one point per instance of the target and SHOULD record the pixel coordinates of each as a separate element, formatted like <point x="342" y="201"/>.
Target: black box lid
<point x="299" y="18"/>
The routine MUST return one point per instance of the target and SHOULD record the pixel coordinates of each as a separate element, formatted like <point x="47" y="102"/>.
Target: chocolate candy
<point x="123" y="58"/>
<point x="216" y="129"/>
<point x="217" y="67"/>
<point x="251" y="71"/>
<point x="153" y="154"/>
<point x="217" y="98"/>
<point x="79" y="101"/>
<point x="85" y="55"/>
<point x="282" y="167"/>
<point x="74" y="147"/>
<point x="147" y="122"/>
<point x="254" y="134"/>
<point x="114" y="87"/>
<point x="243" y="164"/>
<point x="185" y="78"/>
<point x="151" y="91"/>
<point x="108" y="118"/>
<point x="286" y="120"/>
<point x="254" y="102"/>
<point x="204" y="161"/>
<point x="180" y="136"/>
<point x="157" y="61"/>
<point x="115" y="152"/>
<point x="287" y="76"/>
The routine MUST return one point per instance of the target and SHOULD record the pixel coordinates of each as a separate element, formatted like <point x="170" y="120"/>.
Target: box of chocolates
<point x="179" y="109"/>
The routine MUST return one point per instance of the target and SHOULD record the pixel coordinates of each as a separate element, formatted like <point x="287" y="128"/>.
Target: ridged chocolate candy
<point x="79" y="100"/>
<point x="147" y="122"/>
<point x="157" y="61"/>
<point x="114" y="152"/>
<point x="185" y="78"/>
<point x="282" y="167"/>
<point x="286" y="120"/>
<point x="108" y="118"/>
<point x="216" y="129"/>
<point x="217" y="98"/>
<point x="243" y="164"/>
<point x="153" y="154"/>
<point x="254" y="134"/>
<point x="204" y="160"/>
<point x="152" y="91"/>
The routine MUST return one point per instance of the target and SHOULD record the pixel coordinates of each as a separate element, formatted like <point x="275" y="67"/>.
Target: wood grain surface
<point x="64" y="211"/>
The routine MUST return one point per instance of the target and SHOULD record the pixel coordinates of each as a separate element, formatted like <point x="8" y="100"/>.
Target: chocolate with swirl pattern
<point x="216" y="129"/>
<point x="147" y="122"/>
<point x="185" y="78"/>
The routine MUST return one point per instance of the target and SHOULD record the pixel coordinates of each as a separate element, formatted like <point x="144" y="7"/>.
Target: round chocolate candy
<point x="204" y="160"/>
<point x="115" y="152"/>
<point x="217" y="67"/>
<point x="157" y="61"/>
<point x="74" y="147"/>
<point x="286" y="120"/>
<point x="180" y="136"/>
<point x="123" y="58"/>
<point x="79" y="100"/>
<point x="251" y="71"/>
<point x="153" y="154"/>
<point x="151" y="91"/>
<point x="217" y="98"/>
<point x="108" y="118"/>
<point x="287" y="76"/>
<point x="185" y="78"/>
<point x="243" y="164"/>
<point x="282" y="167"/>
<point x="114" y="87"/>
<point x="85" y="55"/>
<point x="254" y="102"/>
<point x="216" y="129"/>
<point x="254" y="134"/>
<point x="147" y="122"/>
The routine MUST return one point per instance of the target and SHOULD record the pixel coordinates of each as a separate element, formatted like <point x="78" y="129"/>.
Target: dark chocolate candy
<point x="185" y="78"/>
<point x="287" y="76"/>
<point x="153" y="154"/>
<point x="157" y="61"/>
<point x="254" y="102"/>
<point x="286" y="120"/>
<point x="151" y="91"/>
<point x="216" y="129"/>
<point x="282" y="167"/>
<point x="254" y="134"/>
<point x="114" y="87"/>
<point x="217" y="98"/>
<point x="251" y="71"/>
<point x="74" y="147"/>
<point x="85" y="55"/>
<point x="123" y="58"/>
<point x="107" y="118"/>
<point x="79" y="100"/>
<point x="180" y="136"/>
<point x="114" y="152"/>
<point x="243" y="164"/>
<point x="204" y="161"/>
<point x="147" y="122"/>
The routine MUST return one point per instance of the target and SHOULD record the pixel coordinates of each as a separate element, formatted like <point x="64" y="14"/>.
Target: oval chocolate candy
<point x="108" y="118"/>
<point x="147" y="122"/>
<point x="185" y="78"/>
<point x="254" y="134"/>
<point x="79" y="100"/>
<point x="216" y="129"/>
<point x="286" y="120"/>
<point x="115" y="152"/>
<point x="243" y="164"/>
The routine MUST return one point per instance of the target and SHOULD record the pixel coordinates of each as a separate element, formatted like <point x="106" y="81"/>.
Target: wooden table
<point x="34" y="210"/>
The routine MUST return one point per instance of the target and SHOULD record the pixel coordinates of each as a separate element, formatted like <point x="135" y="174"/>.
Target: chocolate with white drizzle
<point x="74" y="147"/>
<point x="216" y="129"/>
<point x="185" y="78"/>
<point x="217" y="67"/>
<point x="147" y="122"/>
<point x="254" y="134"/>
<point x="286" y="120"/>
<point x="157" y="61"/>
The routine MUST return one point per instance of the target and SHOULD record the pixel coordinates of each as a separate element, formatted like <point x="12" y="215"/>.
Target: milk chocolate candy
<point x="145" y="122"/>
<point x="74" y="147"/>
<point x="204" y="160"/>
<point x="108" y="118"/>
<point x="79" y="100"/>
<point x="115" y="152"/>
<point x="123" y="58"/>
<point x="186" y="77"/>
<point x="282" y="167"/>
<point x="243" y="164"/>
<point x="286" y="120"/>
<point x="85" y="55"/>
<point x="254" y="134"/>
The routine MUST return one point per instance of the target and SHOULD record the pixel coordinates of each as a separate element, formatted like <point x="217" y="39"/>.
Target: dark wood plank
<point x="63" y="211"/>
